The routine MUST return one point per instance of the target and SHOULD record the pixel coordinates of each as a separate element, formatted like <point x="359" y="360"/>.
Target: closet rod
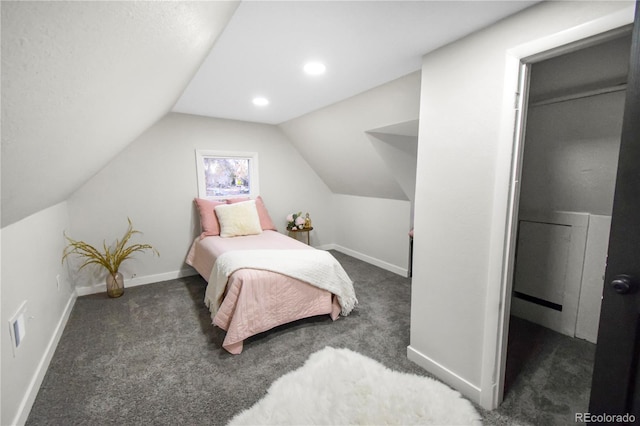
<point x="580" y="95"/>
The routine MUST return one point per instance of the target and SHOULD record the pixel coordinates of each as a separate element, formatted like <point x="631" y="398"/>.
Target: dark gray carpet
<point x="548" y="375"/>
<point x="153" y="357"/>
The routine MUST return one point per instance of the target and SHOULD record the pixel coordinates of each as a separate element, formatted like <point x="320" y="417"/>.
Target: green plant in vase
<point x="109" y="258"/>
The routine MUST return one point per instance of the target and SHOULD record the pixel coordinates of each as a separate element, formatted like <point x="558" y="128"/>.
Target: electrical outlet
<point x="17" y="327"/>
<point x="58" y="282"/>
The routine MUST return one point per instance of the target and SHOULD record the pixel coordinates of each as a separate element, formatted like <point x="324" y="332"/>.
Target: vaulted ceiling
<point x="362" y="43"/>
<point x="81" y="80"/>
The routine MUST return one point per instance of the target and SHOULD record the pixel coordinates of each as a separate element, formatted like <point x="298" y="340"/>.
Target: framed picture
<point x="223" y="175"/>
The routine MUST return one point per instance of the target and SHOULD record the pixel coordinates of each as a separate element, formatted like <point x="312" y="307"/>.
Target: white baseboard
<point x="366" y="258"/>
<point x="41" y="370"/>
<point x="150" y="279"/>
<point x="133" y="282"/>
<point x="465" y="387"/>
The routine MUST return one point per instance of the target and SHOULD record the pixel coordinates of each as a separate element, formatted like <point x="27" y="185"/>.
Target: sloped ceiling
<point x="363" y="44"/>
<point x="81" y="80"/>
<point x="369" y="48"/>
<point x="335" y="140"/>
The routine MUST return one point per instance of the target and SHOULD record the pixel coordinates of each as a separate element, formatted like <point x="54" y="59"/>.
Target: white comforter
<point x="316" y="267"/>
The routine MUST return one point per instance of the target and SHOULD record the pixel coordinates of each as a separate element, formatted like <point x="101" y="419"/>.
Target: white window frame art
<point x="202" y="159"/>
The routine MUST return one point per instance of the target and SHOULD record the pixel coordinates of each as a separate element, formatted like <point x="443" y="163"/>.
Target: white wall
<point x="595" y="263"/>
<point x="571" y="147"/>
<point x="365" y="172"/>
<point x="462" y="193"/>
<point x="571" y="155"/>
<point x="375" y="230"/>
<point x="153" y="182"/>
<point x="32" y="250"/>
<point x="400" y="154"/>
<point x="334" y="141"/>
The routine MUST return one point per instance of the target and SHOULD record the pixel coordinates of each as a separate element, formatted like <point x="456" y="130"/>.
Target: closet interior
<point x="570" y="154"/>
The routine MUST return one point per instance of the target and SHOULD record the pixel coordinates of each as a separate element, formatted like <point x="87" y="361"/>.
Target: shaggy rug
<point x="342" y="387"/>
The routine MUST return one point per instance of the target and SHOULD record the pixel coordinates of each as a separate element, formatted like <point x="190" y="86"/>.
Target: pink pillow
<point x="208" y="219"/>
<point x="263" y="213"/>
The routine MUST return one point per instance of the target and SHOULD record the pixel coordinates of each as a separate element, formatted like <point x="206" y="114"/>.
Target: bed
<point x="258" y="278"/>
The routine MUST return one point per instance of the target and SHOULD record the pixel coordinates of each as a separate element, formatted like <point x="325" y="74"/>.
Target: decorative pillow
<point x="208" y="219"/>
<point x="265" y="220"/>
<point x="238" y="219"/>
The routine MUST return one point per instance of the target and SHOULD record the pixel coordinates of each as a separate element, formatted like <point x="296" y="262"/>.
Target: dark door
<point x="615" y="389"/>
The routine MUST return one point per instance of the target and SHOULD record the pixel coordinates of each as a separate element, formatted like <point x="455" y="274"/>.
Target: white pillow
<point x="238" y="219"/>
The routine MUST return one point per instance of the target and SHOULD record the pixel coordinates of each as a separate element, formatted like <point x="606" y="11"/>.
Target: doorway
<point x="573" y="122"/>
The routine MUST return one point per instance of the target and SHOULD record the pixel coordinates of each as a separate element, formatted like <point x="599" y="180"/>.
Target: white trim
<point x="449" y="377"/>
<point x="497" y="304"/>
<point x="152" y="279"/>
<point x="366" y="258"/>
<point x="41" y="370"/>
<point x="499" y="284"/>
<point x="133" y="282"/>
<point x="580" y="95"/>
<point x="536" y="49"/>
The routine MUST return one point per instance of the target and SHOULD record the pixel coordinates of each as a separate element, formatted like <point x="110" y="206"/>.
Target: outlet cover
<point x="17" y="328"/>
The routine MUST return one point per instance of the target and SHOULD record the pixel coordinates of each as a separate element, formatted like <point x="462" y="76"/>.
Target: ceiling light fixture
<point x="314" y="68"/>
<point x="260" y="101"/>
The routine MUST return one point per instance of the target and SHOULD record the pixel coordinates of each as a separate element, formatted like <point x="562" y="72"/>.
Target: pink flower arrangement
<point x="295" y="221"/>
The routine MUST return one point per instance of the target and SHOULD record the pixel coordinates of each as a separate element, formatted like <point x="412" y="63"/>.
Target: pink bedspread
<point x="257" y="300"/>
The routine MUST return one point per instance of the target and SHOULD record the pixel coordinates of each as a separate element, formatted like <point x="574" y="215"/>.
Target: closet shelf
<point x="579" y="94"/>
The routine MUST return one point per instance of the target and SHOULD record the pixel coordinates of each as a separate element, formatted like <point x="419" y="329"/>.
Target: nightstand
<point x="301" y="230"/>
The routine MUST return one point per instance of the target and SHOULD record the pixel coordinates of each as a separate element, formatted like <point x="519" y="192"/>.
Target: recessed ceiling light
<point x="314" y="68"/>
<point x="260" y="101"/>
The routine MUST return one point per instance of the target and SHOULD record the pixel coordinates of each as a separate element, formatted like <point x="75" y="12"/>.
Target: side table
<point x="302" y="230"/>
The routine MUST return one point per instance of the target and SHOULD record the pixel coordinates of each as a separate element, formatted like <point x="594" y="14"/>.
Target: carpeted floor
<point x="548" y="375"/>
<point x="153" y="357"/>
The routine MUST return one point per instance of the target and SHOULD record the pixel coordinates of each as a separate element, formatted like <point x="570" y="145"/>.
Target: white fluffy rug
<point x="342" y="387"/>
